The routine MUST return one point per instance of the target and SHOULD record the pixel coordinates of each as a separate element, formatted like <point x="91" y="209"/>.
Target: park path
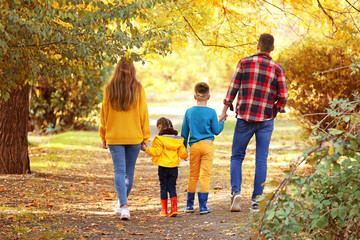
<point x="71" y="194"/>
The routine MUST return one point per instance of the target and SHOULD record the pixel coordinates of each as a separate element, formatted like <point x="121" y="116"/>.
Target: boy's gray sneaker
<point x="255" y="206"/>
<point x="235" y="202"/>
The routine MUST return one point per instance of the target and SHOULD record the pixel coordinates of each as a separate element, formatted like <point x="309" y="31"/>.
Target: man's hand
<point x="223" y="117"/>
<point x="223" y="114"/>
<point x="103" y="145"/>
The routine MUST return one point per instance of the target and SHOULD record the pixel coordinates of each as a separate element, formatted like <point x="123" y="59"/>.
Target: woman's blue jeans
<point x="124" y="158"/>
<point x="243" y="133"/>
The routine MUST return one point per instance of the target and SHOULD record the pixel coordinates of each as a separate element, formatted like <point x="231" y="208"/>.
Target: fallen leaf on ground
<point x="50" y="204"/>
<point x="230" y="234"/>
<point x="134" y="233"/>
<point x="33" y="204"/>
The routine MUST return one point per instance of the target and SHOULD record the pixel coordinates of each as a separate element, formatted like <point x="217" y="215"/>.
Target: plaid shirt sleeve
<point x="234" y="86"/>
<point x="282" y="91"/>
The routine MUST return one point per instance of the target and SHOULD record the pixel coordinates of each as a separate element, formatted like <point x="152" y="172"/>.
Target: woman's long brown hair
<point x="122" y="90"/>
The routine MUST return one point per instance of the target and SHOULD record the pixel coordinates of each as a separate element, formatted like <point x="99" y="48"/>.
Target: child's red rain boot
<point x="174" y="210"/>
<point x="164" y="211"/>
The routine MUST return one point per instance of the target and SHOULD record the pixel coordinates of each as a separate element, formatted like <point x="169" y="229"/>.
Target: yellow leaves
<point x="273" y="183"/>
<point x="62" y="23"/>
<point x="331" y="150"/>
<point x="68" y="230"/>
<point x="145" y="200"/>
<point x="108" y="196"/>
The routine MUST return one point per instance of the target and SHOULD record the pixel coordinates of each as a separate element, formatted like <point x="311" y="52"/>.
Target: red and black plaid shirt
<point x="261" y="87"/>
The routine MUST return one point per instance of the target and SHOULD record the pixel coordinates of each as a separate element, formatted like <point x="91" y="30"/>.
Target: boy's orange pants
<point x="201" y="162"/>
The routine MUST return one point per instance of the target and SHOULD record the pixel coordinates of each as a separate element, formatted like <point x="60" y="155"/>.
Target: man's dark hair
<point x="266" y="42"/>
<point x="202" y="90"/>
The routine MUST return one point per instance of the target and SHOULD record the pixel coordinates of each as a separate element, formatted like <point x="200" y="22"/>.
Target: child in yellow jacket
<point x="166" y="149"/>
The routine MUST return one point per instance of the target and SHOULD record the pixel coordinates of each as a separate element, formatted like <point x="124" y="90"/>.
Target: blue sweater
<point x="200" y="122"/>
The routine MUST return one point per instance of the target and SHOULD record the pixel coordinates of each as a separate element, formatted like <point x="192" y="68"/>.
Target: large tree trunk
<point x="14" y="115"/>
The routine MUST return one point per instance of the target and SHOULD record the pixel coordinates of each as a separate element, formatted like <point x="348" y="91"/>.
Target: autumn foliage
<point x="318" y="72"/>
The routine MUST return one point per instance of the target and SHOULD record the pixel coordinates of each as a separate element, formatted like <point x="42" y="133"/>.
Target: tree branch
<point x="352" y="6"/>
<point x="335" y="69"/>
<point x="213" y="45"/>
<point x="330" y="17"/>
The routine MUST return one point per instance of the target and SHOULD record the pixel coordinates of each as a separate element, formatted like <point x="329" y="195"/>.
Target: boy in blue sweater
<point x="200" y="124"/>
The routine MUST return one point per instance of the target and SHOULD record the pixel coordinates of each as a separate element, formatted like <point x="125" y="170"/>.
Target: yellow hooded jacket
<point x="166" y="150"/>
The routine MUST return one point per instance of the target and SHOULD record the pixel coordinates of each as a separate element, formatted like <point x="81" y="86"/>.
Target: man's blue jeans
<point x="243" y="133"/>
<point x="124" y="159"/>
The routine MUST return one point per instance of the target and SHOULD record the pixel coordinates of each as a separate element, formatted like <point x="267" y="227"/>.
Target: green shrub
<point x="56" y="104"/>
<point x="320" y="197"/>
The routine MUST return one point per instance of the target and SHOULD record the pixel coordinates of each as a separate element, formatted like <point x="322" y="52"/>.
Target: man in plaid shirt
<point x="260" y="85"/>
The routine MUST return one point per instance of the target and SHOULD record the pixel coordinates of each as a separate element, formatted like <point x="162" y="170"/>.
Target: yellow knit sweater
<point x="125" y="127"/>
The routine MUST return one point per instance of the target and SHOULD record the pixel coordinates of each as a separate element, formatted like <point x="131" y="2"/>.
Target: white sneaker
<point x="125" y="214"/>
<point x="235" y="202"/>
<point x="118" y="209"/>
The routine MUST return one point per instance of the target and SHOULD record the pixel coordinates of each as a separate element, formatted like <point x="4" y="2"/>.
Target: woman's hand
<point x="103" y="145"/>
<point x="143" y="146"/>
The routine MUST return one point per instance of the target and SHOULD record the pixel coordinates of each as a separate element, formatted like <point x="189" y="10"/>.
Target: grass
<point x="67" y="150"/>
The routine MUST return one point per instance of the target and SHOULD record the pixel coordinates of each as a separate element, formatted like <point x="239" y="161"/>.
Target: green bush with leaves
<point x="67" y="103"/>
<point x="320" y="197"/>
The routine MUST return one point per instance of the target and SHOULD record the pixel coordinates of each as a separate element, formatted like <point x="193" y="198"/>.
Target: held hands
<point x="223" y="117"/>
<point x="103" y="145"/>
<point x="143" y="146"/>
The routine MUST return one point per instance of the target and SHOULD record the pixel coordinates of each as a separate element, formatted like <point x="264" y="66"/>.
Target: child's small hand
<point x="223" y="117"/>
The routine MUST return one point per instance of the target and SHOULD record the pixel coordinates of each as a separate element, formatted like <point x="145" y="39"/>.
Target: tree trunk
<point x="14" y="115"/>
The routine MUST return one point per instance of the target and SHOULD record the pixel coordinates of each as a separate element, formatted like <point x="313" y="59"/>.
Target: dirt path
<point x="59" y="203"/>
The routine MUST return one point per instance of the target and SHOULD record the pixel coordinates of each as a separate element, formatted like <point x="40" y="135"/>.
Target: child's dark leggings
<point x="167" y="178"/>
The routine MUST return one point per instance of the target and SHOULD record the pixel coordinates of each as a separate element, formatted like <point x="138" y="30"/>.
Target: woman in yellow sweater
<point x="124" y="126"/>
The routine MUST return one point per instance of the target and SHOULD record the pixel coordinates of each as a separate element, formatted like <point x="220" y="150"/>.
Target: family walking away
<point x="260" y="85"/>
<point x="124" y="126"/>
<point x="166" y="149"/>
<point x="199" y="126"/>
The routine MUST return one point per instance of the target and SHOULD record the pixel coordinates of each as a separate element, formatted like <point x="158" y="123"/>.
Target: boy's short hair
<point x="266" y="42"/>
<point x="202" y="90"/>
